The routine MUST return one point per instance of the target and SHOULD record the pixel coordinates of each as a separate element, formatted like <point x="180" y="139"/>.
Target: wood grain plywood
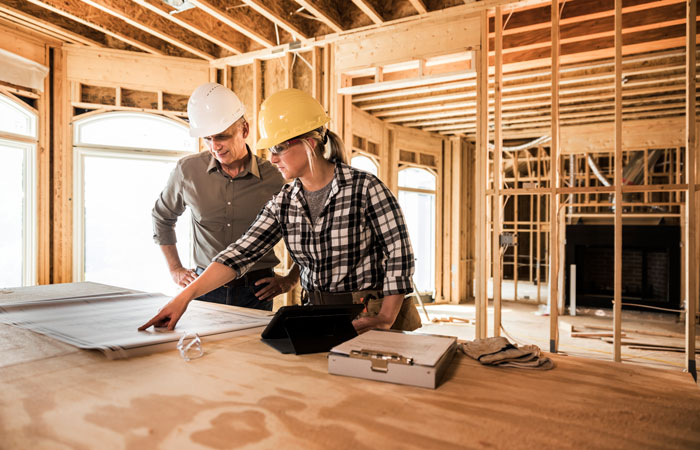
<point x="244" y="393"/>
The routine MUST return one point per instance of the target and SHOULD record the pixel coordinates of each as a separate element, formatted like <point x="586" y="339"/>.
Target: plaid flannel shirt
<point x="359" y="241"/>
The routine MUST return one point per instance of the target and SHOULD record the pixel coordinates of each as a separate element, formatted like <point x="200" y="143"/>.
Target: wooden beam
<point x="288" y="70"/>
<point x="199" y="25"/>
<point x="321" y="15"/>
<point x="408" y="83"/>
<point x="144" y="20"/>
<point x="42" y="25"/>
<point x="367" y="8"/>
<point x="553" y="185"/>
<point x="481" y="263"/>
<point x="221" y="15"/>
<point x="419" y="6"/>
<point x="97" y="21"/>
<point x="257" y="98"/>
<point x="691" y="268"/>
<point x="62" y="149"/>
<point x="497" y="200"/>
<point x="317" y="75"/>
<point x="267" y="10"/>
<point x="617" y="277"/>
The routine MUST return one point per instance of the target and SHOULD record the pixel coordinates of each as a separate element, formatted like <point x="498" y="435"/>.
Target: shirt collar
<point x="342" y="176"/>
<point x="251" y="167"/>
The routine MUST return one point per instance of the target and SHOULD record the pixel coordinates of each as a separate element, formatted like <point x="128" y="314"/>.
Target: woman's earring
<point x="327" y="150"/>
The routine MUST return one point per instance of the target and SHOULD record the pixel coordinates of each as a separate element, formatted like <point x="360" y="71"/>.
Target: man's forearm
<point x="172" y="257"/>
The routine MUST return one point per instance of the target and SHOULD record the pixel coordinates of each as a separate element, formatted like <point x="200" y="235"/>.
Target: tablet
<point x="312" y="328"/>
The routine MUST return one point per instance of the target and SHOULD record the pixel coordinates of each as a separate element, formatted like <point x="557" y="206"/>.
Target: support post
<point x="498" y="148"/>
<point x="617" y="307"/>
<point x="554" y="185"/>
<point x="690" y="197"/>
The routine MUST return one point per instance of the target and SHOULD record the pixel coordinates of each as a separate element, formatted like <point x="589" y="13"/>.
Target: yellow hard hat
<point x="287" y="114"/>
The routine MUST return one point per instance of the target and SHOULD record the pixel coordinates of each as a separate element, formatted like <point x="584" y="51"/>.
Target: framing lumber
<point x="99" y="21"/>
<point x="44" y="26"/>
<point x="367" y="8"/>
<point x="617" y="307"/>
<point x="201" y="24"/>
<point x="321" y="15"/>
<point x="691" y="269"/>
<point x="266" y="10"/>
<point x="496" y="199"/>
<point x="221" y="15"/>
<point x="481" y="297"/>
<point x="554" y="184"/>
<point x="145" y="20"/>
<point x="419" y="6"/>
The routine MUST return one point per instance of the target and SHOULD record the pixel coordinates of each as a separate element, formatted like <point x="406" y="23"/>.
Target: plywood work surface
<point x="242" y="393"/>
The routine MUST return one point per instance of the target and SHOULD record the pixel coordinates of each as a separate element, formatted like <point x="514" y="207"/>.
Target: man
<point x="224" y="188"/>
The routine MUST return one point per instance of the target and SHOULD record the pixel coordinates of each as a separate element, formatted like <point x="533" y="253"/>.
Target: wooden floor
<point x="242" y="393"/>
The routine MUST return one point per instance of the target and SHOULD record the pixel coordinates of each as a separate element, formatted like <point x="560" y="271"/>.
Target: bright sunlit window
<point x="365" y="163"/>
<point x="417" y="200"/>
<point x="18" y="129"/>
<point x="115" y="191"/>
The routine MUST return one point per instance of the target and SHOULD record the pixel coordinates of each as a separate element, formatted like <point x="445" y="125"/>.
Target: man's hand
<point x="168" y="316"/>
<point x="276" y="285"/>
<point x="183" y="277"/>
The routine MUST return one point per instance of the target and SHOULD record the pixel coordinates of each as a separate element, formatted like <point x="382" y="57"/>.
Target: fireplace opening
<point x="650" y="265"/>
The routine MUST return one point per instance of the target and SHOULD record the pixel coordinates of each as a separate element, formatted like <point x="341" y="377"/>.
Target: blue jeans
<point x="237" y="296"/>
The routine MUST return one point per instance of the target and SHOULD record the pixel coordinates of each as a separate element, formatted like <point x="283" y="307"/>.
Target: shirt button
<point x="228" y="203"/>
<point x="228" y="224"/>
<point x="230" y="181"/>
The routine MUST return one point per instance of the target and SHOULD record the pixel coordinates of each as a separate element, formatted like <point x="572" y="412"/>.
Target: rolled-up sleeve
<point x="262" y="235"/>
<point x="169" y="206"/>
<point x="389" y="227"/>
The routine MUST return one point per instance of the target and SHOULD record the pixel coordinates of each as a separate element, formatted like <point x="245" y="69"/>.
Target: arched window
<point x="18" y="137"/>
<point x="417" y="199"/>
<point x="365" y="163"/>
<point x="122" y="162"/>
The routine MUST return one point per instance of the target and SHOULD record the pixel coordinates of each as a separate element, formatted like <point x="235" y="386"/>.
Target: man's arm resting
<point x="181" y="275"/>
<point x="278" y="285"/>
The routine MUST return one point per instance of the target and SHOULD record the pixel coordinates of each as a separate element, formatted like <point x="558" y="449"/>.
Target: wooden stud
<point x="62" y="256"/>
<point x="257" y="101"/>
<point x="691" y="254"/>
<point x="327" y="77"/>
<point x="617" y="307"/>
<point x="367" y="8"/>
<point x="288" y="70"/>
<point x="481" y="300"/>
<point x="44" y="197"/>
<point x="498" y="148"/>
<point x="317" y="77"/>
<point x="554" y="184"/>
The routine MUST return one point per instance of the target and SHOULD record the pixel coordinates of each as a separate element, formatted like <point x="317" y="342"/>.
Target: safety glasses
<point x="280" y="148"/>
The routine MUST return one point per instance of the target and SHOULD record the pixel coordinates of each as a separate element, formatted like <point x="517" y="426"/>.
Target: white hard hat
<point x="213" y="108"/>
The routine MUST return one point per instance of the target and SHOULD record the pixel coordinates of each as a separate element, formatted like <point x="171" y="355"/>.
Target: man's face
<point x="229" y="145"/>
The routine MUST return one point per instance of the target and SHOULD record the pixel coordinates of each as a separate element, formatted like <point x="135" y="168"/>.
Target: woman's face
<point x="291" y="158"/>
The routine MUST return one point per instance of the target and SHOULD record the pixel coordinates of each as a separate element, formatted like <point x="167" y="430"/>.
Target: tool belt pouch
<point x="406" y="320"/>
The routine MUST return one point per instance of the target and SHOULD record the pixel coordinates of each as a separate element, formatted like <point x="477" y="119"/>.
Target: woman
<point x="342" y="226"/>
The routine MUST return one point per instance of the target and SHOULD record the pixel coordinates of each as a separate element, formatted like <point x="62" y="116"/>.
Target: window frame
<point x="434" y="192"/>
<point x="28" y="144"/>
<point x="82" y="150"/>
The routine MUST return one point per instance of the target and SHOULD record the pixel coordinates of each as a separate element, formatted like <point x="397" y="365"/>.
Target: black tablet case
<point x="312" y="328"/>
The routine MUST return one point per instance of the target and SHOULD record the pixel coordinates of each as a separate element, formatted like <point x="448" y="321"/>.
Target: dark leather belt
<point x="342" y="298"/>
<point x="247" y="280"/>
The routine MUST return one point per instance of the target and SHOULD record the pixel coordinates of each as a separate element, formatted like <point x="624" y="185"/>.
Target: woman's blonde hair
<point x="328" y="145"/>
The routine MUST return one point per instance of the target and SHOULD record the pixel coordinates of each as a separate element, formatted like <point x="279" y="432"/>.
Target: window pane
<point x="134" y="131"/>
<point x="413" y="177"/>
<point x="16" y="119"/>
<point x="419" y="211"/>
<point x="119" y="248"/>
<point x="12" y="216"/>
<point x="364" y="163"/>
